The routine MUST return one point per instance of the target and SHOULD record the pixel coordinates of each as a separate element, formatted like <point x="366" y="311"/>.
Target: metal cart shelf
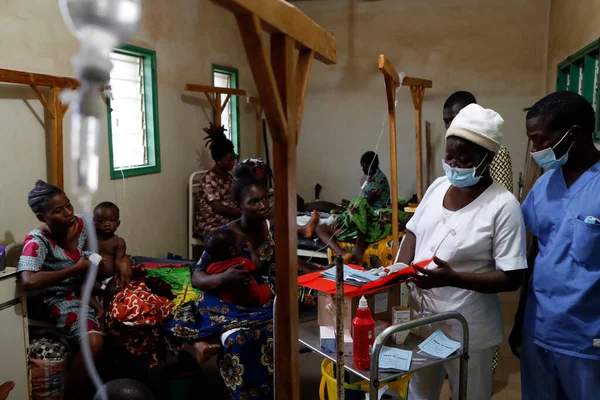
<point x="309" y="337"/>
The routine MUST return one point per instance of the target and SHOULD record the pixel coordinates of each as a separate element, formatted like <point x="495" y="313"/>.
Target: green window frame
<point x="580" y="73"/>
<point x="151" y="131"/>
<point x="233" y="132"/>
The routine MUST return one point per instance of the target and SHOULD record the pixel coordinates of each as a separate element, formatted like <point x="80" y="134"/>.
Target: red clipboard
<point x="316" y="281"/>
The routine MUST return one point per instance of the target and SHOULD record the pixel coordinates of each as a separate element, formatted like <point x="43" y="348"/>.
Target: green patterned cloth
<point x="180" y="279"/>
<point x="360" y="216"/>
<point x="378" y="184"/>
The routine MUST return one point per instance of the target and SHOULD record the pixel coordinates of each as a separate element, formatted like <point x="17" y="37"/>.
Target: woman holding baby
<point x="242" y="334"/>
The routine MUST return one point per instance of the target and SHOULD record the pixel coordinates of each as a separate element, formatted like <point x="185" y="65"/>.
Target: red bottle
<point x="363" y="328"/>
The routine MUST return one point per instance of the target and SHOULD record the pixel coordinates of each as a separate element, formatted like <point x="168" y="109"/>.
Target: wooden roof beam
<point x="213" y="89"/>
<point x="30" y="78"/>
<point x="386" y="68"/>
<point x="417" y="82"/>
<point x="264" y="76"/>
<point x="280" y="17"/>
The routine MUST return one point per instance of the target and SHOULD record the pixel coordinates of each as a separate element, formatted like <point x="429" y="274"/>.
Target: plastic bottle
<point x="363" y="328"/>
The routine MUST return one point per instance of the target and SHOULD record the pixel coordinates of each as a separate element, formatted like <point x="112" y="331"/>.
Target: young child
<point x="115" y="271"/>
<point x="224" y="249"/>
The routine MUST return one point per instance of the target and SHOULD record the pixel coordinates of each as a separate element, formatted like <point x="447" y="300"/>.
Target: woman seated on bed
<point x="53" y="262"/>
<point x="366" y="222"/>
<point x="215" y="207"/>
<point x="246" y="360"/>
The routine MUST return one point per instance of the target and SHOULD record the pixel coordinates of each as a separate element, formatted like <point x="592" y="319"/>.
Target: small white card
<point x="438" y="345"/>
<point x="392" y="359"/>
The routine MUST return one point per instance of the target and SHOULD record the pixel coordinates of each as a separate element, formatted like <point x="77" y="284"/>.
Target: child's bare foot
<point x="5" y="389"/>
<point x="204" y="351"/>
<point x="311" y="226"/>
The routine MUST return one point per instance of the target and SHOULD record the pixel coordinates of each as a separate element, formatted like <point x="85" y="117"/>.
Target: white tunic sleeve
<point x="509" y="242"/>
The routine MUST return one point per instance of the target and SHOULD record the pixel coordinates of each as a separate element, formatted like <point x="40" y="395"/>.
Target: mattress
<point x="310" y="244"/>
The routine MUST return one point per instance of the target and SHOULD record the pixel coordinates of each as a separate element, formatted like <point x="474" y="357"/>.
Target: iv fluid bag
<point x="100" y="26"/>
<point x="117" y="19"/>
<point x="85" y="140"/>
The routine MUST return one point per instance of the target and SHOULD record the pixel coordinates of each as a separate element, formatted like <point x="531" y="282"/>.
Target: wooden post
<point x="284" y="153"/>
<point x="391" y="95"/>
<point x="259" y="139"/>
<point x="305" y="59"/>
<point x="428" y="152"/>
<point x="392" y="82"/>
<point x="218" y="104"/>
<point x="218" y="109"/>
<point x="56" y="141"/>
<point x="54" y="111"/>
<point x="278" y="83"/>
<point x="417" y="93"/>
<point x="417" y="85"/>
<point x="339" y="325"/>
<point x="259" y="133"/>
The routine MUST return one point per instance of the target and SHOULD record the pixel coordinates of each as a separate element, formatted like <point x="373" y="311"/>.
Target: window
<point x="133" y="137"/>
<point x="226" y="77"/>
<point x="579" y="74"/>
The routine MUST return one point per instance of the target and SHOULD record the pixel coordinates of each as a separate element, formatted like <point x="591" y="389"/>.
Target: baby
<point x="224" y="249"/>
<point x="115" y="270"/>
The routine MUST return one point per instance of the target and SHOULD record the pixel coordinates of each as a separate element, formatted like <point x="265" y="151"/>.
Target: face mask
<point x="547" y="158"/>
<point x="462" y="177"/>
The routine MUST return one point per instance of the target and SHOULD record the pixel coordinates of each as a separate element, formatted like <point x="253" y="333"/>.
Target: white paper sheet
<point x="438" y="345"/>
<point x="392" y="359"/>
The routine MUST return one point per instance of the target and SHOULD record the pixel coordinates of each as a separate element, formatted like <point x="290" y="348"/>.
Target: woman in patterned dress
<point x="246" y="333"/>
<point x="376" y="189"/>
<point x="215" y="207"/>
<point x="53" y="261"/>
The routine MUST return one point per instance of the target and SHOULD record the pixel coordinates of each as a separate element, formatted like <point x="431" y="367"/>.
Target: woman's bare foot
<point x="203" y="351"/>
<point x="311" y="226"/>
<point x="5" y="389"/>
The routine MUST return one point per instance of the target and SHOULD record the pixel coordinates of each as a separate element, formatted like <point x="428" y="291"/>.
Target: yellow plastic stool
<point x="328" y="386"/>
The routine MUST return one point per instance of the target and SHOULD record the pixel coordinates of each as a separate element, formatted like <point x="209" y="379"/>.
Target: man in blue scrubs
<point x="560" y="305"/>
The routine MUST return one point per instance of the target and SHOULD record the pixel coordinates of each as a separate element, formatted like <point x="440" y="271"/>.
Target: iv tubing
<point x="85" y="300"/>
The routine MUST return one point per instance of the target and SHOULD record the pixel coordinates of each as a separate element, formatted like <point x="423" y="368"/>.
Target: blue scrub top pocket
<point x="585" y="248"/>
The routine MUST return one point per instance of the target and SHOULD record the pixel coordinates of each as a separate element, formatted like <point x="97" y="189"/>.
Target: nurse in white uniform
<point x="474" y="228"/>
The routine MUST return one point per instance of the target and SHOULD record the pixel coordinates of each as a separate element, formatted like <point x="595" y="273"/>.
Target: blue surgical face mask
<point x="547" y="158"/>
<point x="462" y="177"/>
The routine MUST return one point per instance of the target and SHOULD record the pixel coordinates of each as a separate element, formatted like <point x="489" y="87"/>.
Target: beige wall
<point x="485" y="46"/>
<point x="188" y="36"/>
<point x="573" y="25"/>
<point x="496" y="49"/>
